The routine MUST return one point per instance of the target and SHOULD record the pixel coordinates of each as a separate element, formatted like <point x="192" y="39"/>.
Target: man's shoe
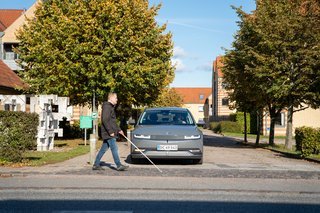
<point x="97" y="167"/>
<point x="122" y="167"/>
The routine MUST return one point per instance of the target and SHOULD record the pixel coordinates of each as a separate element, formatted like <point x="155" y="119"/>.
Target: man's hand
<point x="121" y="132"/>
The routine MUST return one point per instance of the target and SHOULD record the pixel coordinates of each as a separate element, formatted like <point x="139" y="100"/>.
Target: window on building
<point x="9" y="56"/>
<point x="7" y="107"/>
<point x="280" y="119"/>
<point x="225" y="101"/>
<point x="201" y="97"/>
<point x="200" y="108"/>
<point x="8" y="53"/>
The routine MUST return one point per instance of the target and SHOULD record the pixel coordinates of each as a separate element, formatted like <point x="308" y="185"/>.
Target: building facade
<point x="221" y="104"/>
<point x="195" y="99"/>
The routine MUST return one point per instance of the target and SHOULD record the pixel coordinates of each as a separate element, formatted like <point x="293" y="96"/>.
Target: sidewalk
<point x="74" y="164"/>
<point x="251" y="140"/>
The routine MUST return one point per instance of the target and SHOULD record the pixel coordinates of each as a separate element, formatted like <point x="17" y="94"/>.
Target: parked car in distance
<point x="167" y="133"/>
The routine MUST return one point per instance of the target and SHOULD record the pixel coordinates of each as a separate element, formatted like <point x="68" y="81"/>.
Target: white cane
<point x="141" y="152"/>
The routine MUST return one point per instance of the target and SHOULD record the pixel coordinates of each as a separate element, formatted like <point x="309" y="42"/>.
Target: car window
<point x="166" y="117"/>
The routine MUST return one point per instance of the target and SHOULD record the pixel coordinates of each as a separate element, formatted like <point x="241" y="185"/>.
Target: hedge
<point x="225" y="126"/>
<point x="239" y="118"/>
<point x="307" y="140"/>
<point x="71" y="131"/>
<point x="215" y="126"/>
<point x="18" y="132"/>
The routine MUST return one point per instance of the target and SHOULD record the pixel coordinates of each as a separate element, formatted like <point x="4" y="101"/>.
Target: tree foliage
<point x="78" y="48"/>
<point x="168" y="98"/>
<point x="274" y="62"/>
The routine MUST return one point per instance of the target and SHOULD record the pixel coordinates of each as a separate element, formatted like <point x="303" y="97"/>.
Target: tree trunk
<point x="124" y="113"/>
<point x="272" y="124"/>
<point x="258" y="127"/>
<point x="123" y="124"/>
<point x="288" y="142"/>
<point x="245" y="127"/>
<point x="271" y="135"/>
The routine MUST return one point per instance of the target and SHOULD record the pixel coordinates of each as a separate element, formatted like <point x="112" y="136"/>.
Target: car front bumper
<point x="167" y="154"/>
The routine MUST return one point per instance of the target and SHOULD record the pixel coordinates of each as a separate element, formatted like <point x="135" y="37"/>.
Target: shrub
<point x="230" y="126"/>
<point x="71" y="131"/>
<point x="307" y="140"/>
<point x="225" y="126"/>
<point x="215" y="126"/>
<point x="18" y="132"/>
<point x="239" y="118"/>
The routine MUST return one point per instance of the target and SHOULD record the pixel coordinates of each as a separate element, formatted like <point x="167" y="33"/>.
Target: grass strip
<point x="63" y="150"/>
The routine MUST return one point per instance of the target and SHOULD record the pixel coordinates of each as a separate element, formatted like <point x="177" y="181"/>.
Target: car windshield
<point x="166" y="117"/>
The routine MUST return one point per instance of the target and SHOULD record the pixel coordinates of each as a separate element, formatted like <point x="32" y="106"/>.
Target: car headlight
<point x="192" y="137"/>
<point x="142" y="136"/>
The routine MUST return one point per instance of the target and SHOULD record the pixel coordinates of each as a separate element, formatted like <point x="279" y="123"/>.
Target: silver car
<point x="167" y="132"/>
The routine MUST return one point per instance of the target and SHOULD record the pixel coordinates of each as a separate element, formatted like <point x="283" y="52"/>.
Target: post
<point x="93" y="136"/>
<point x="93" y="141"/>
<point x="85" y="136"/>
<point x="93" y="112"/>
<point x="129" y="136"/>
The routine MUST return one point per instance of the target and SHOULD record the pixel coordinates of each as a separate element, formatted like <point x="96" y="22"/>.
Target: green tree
<point x="290" y="47"/>
<point x="245" y="89"/>
<point x="81" y="48"/>
<point x="278" y="50"/>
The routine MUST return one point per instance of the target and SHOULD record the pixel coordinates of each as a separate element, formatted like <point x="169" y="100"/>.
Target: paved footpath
<point x="223" y="157"/>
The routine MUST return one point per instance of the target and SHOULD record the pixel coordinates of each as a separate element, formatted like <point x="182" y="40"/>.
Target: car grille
<point x="167" y="137"/>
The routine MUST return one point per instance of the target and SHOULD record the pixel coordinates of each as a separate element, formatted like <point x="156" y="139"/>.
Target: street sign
<point x="85" y="122"/>
<point x="94" y="115"/>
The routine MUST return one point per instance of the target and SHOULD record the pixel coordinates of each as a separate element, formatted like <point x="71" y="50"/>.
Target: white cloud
<point x="178" y="63"/>
<point x="179" y="52"/>
<point x="195" y="23"/>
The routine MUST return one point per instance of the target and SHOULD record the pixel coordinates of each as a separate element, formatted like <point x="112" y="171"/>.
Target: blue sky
<point x="200" y="28"/>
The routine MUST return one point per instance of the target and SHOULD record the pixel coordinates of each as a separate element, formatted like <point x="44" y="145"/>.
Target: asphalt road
<point x="87" y="193"/>
<point x="233" y="178"/>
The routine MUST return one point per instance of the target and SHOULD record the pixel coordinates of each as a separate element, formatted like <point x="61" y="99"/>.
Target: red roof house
<point x="10" y="82"/>
<point x="7" y="17"/>
<point x="196" y="95"/>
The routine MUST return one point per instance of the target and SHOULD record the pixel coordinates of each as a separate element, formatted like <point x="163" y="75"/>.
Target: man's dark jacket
<point x="108" y="121"/>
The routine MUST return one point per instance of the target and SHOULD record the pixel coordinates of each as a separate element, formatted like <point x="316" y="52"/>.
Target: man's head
<point x="112" y="98"/>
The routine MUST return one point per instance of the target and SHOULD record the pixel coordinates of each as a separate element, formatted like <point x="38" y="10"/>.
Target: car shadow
<point x="226" y="142"/>
<point x="143" y="161"/>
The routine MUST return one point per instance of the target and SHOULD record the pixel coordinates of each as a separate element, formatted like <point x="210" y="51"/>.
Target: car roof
<point x="166" y="108"/>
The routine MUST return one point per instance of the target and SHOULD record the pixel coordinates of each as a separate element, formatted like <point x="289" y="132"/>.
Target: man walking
<point x="109" y="132"/>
